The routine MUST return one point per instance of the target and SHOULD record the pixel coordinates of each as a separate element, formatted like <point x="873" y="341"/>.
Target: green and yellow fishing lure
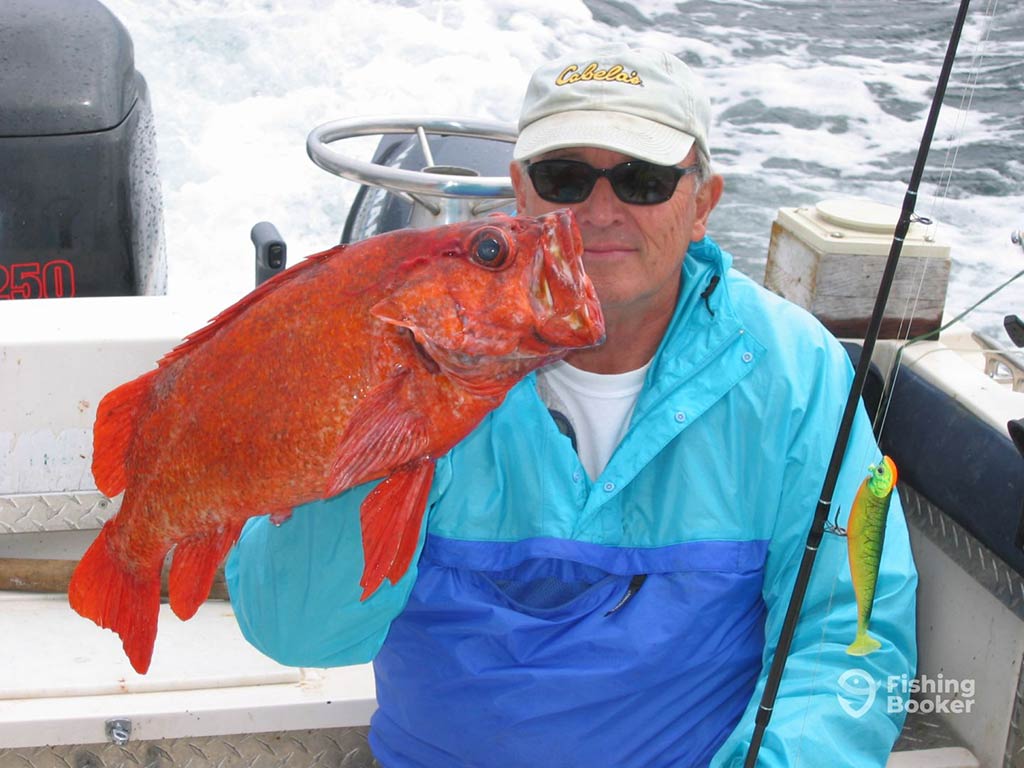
<point x="865" y="534"/>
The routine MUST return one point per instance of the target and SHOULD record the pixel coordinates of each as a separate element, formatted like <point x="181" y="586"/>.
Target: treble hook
<point x="833" y="525"/>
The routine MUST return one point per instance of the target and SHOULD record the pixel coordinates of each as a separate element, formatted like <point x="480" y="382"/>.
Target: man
<point x="608" y="557"/>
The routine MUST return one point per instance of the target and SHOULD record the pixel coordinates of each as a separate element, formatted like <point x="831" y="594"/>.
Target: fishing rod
<point x="821" y="513"/>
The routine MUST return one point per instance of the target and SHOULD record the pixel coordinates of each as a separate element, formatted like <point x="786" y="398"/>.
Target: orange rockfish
<point x="865" y="533"/>
<point x="362" y="362"/>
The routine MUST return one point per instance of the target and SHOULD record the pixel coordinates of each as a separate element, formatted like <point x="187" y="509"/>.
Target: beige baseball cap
<point x="641" y="102"/>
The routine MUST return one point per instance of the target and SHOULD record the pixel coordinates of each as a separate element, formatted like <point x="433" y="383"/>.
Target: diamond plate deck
<point x="335" y="748"/>
<point x="926" y="731"/>
<point x="38" y="512"/>
<point x="989" y="570"/>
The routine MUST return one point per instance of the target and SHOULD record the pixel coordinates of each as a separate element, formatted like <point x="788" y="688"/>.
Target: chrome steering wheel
<point x="433" y="181"/>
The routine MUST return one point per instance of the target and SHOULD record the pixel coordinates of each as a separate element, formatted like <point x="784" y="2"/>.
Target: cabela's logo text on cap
<point x="616" y="73"/>
<point x="641" y="102"/>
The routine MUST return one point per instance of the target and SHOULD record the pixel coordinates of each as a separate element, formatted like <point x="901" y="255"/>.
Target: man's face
<point x="632" y="253"/>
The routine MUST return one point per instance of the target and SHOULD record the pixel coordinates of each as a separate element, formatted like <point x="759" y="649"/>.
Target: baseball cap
<point x="638" y="101"/>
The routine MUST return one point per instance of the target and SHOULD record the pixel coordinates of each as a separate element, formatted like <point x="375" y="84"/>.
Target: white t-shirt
<point x="597" y="405"/>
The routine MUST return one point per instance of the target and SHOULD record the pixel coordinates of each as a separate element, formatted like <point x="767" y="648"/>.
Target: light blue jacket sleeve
<point x="832" y="707"/>
<point x="295" y="587"/>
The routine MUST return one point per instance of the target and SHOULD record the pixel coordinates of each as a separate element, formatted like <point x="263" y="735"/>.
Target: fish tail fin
<point x="118" y="598"/>
<point x="863" y="644"/>
<point x="391" y="516"/>
<point x="194" y="566"/>
<point x="111" y="435"/>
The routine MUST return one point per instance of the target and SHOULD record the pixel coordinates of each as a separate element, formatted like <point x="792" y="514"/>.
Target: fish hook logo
<point x="860" y="686"/>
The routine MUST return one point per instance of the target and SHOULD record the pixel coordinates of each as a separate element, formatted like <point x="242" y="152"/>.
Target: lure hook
<point x="833" y="526"/>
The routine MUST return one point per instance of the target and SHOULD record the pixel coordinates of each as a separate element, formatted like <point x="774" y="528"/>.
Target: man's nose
<point x="601" y="208"/>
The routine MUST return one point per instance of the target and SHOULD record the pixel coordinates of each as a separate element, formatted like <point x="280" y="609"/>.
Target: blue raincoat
<point x="553" y="621"/>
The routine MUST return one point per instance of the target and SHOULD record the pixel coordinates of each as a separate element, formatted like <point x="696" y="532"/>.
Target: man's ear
<point x="707" y="198"/>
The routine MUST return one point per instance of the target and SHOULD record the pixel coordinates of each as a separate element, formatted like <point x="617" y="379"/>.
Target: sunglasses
<point x="636" y="182"/>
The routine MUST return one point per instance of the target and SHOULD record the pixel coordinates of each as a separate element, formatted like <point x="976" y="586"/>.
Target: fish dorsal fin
<point x="226" y="316"/>
<point x="112" y="432"/>
<point x="117" y="411"/>
<point x="383" y="432"/>
<point x="391" y="517"/>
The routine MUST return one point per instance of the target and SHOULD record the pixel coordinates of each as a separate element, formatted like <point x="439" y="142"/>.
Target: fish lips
<point x="563" y="299"/>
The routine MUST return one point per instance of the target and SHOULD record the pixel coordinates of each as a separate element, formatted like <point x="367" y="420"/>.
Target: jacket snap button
<point x="609" y="486"/>
<point x="747" y="357"/>
<point x="680" y="417"/>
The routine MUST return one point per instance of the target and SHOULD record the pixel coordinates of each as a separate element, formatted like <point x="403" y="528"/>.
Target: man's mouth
<point x="607" y="250"/>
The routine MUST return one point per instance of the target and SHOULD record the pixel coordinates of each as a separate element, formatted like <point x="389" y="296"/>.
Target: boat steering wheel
<point x="434" y="180"/>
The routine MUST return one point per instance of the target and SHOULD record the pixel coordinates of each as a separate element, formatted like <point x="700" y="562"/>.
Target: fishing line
<point x="939" y="206"/>
<point x="887" y="393"/>
<point x="911" y="305"/>
<point x="817" y="665"/>
<point x="939" y="199"/>
<point x="821" y="513"/>
<point x="964" y="110"/>
<point x="885" y="401"/>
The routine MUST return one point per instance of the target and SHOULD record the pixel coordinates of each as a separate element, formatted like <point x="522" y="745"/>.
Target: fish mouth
<point x="563" y="299"/>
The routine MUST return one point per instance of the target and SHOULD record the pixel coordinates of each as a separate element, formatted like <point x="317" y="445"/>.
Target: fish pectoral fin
<point x="383" y="432"/>
<point x="391" y="517"/>
<point x="194" y="566"/>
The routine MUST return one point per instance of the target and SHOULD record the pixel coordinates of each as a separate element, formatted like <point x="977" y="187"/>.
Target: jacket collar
<point x="703" y="323"/>
<point x="700" y="326"/>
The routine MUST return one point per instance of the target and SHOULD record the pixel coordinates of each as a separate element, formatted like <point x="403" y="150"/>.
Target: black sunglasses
<point x="636" y="182"/>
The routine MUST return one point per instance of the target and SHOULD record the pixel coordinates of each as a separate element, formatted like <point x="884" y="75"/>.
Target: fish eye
<point x="489" y="248"/>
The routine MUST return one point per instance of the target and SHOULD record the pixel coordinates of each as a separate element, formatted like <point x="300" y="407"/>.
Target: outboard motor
<point x="80" y="204"/>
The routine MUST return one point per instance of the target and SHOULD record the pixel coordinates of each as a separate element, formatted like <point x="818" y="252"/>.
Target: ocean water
<point x="812" y="100"/>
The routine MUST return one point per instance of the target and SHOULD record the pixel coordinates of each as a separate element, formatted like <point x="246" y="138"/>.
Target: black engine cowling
<point x="80" y="203"/>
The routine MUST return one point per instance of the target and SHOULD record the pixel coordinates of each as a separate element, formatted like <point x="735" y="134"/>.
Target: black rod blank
<point x="814" y="536"/>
